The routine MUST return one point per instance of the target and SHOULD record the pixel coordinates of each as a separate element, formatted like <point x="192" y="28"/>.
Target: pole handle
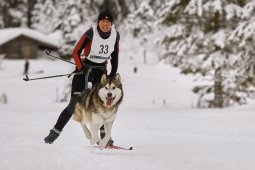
<point x="47" y="52"/>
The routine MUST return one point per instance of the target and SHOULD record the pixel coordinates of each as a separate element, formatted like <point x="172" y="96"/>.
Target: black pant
<point x="78" y="85"/>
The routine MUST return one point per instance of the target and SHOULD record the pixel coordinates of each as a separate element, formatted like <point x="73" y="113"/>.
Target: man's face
<point x="105" y="25"/>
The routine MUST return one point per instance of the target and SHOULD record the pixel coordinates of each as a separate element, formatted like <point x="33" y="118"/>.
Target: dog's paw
<point x="102" y="144"/>
<point x="93" y="141"/>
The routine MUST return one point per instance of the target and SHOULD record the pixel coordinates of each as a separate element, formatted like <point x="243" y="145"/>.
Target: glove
<point x="84" y="69"/>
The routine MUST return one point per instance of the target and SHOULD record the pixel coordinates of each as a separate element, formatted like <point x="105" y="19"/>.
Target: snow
<point x="157" y="117"/>
<point x="219" y="39"/>
<point x="194" y="7"/>
<point x="11" y="33"/>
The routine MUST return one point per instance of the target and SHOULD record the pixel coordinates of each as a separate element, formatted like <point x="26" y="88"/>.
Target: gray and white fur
<point x="98" y="106"/>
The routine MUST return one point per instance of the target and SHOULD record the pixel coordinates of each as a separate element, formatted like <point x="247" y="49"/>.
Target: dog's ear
<point x="117" y="77"/>
<point x="103" y="78"/>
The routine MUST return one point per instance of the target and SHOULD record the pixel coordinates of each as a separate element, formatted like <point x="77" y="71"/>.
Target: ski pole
<point x="47" y="77"/>
<point x="48" y="52"/>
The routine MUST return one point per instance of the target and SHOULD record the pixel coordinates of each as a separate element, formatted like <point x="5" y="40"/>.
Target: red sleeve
<point x="77" y="52"/>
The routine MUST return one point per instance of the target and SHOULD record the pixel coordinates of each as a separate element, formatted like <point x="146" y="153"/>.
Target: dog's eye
<point x="113" y="88"/>
<point x="106" y="88"/>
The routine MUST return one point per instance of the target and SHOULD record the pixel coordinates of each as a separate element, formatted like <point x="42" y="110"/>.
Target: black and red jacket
<point x="85" y="44"/>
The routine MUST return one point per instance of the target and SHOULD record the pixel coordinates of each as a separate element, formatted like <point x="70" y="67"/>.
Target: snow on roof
<point x="11" y="33"/>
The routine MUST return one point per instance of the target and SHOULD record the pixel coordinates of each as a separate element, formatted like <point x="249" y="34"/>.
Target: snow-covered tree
<point x="45" y="16"/>
<point x="197" y="41"/>
<point x="141" y="22"/>
<point x="242" y="38"/>
<point x="70" y="19"/>
<point x="14" y="13"/>
<point x="2" y="13"/>
<point x="30" y="7"/>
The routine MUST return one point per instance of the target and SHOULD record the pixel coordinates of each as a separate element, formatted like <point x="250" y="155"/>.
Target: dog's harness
<point x="89" y="71"/>
<point x="90" y="68"/>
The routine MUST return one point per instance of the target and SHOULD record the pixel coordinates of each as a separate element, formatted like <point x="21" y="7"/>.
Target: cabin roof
<point x="9" y="34"/>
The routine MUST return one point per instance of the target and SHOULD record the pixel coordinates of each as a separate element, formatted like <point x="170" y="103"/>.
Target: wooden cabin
<point x="24" y="43"/>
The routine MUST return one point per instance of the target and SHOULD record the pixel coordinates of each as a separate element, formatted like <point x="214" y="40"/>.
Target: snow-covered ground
<point x="157" y="117"/>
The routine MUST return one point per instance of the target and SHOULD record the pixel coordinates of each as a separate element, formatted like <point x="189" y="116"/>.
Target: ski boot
<point x="53" y="135"/>
<point x="110" y="142"/>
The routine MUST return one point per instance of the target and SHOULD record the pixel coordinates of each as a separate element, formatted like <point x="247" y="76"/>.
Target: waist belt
<point x="100" y="57"/>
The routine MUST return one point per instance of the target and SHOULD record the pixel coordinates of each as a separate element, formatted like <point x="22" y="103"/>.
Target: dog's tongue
<point x="109" y="100"/>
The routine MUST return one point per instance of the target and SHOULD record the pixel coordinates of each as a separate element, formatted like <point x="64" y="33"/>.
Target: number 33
<point x="104" y="49"/>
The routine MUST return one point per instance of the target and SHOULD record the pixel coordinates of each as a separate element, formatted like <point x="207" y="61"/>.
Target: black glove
<point x="84" y="69"/>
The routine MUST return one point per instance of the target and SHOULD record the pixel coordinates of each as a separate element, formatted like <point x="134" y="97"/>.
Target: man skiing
<point x="99" y="43"/>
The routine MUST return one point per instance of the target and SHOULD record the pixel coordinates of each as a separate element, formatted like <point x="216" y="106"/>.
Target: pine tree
<point x="14" y="13"/>
<point x="142" y="24"/>
<point x="2" y="14"/>
<point x="198" y="43"/>
<point x="45" y="16"/>
<point x="242" y="38"/>
<point x="30" y="7"/>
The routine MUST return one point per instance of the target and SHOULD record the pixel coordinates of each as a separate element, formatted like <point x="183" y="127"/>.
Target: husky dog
<point x="97" y="107"/>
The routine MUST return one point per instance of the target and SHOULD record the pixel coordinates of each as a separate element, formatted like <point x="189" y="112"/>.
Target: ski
<point x="116" y="147"/>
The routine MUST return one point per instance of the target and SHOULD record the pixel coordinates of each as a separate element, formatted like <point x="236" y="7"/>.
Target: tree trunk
<point x="218" y="96"/>
<point x="30" y="7"/>
<point x="144" y="56"/>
